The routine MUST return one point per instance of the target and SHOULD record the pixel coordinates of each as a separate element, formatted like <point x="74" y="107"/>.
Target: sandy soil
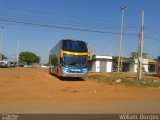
<point x="33" y="90"/>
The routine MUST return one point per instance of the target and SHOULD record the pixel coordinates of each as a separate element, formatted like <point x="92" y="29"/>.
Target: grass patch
<point x="127" y="79"/>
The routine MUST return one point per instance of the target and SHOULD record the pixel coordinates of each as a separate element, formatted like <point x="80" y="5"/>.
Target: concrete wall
<point x="144" y="65"/>
<point x="109" y="67"/>
<point x="96" y="66"/>
<point x="101" y="64"/>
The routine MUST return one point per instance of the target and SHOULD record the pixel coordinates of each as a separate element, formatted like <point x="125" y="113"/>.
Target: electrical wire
<point x="69" y="24"/>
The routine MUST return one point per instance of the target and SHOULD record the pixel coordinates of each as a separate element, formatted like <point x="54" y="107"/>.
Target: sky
<point x="39" y="24"/>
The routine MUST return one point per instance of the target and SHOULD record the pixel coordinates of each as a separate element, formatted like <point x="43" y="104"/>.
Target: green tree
<point x="3" y="57"/>
<point x="28" y="58"/>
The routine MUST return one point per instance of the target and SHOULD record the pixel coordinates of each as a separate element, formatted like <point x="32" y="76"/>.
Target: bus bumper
<point x="69" y="74"/>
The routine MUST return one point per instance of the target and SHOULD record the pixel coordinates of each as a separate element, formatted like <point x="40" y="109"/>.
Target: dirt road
<point x="31" y="90"/>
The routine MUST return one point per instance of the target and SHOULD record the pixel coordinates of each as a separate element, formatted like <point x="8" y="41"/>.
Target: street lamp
<point x="120" y="44"/>
<point x="1" y="53"/>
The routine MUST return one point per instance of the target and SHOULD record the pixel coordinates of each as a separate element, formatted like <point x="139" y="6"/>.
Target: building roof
<point x="102" y="57"/>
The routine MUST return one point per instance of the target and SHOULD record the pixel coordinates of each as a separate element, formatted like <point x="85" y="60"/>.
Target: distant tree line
<point x="3" y="57"/>
<point x="28" y="58"/>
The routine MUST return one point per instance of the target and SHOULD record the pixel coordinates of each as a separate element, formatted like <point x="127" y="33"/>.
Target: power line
<point x="152" y="31"/>
<point x="81" y="22"/>
<point x="57" y="14"/>
<point x="149" y="37"/>
<point x="58" y="22"/>
<point x="64" y="22"/>
<point x="72" y="28"/>
<point x="60" y="27"/>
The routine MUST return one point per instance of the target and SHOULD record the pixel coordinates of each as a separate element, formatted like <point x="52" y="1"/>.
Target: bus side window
<point x="54" y="60"/>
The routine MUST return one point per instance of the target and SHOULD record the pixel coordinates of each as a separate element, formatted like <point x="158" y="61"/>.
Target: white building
<point x="144" y="65"/>
<point x="100" y="64"/>
<point x="131" y="65"/>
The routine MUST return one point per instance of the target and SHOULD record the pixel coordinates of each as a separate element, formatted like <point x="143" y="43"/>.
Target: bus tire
<point x="58" y="76"/>
<point x="57" y="73"/>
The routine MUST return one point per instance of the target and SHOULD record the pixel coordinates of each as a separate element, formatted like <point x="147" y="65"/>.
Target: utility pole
<point x="94" y="51"/>
<point x="121" y="60"/>
<point x="120" y="44"/>
<point x="1" y="49"/>
<point x="110" y="48"/>
<point x="17" y="52"/>
<point x="140" y="49"/>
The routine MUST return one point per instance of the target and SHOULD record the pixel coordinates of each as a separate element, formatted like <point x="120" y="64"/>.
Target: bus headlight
<point x="65" y="69"/>
<point x="84" y="70"/>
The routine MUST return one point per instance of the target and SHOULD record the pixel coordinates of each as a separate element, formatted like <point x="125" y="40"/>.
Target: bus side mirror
<point x="89" y="56"/>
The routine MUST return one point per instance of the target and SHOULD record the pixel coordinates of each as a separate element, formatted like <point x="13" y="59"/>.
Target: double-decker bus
<point x="158" y="66"/>
<point x="69" y="58"/>
<point x="158" y="70"/>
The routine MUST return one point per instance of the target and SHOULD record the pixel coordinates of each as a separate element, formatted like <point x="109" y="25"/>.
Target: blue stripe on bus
<point x="69" y="69"/>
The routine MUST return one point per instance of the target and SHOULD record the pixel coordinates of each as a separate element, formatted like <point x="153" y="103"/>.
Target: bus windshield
<point x="74" y="46"/>
<point x="75" y="61"/>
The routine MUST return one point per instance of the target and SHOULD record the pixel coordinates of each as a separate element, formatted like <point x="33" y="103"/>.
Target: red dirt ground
<point x="33" y="90"/>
